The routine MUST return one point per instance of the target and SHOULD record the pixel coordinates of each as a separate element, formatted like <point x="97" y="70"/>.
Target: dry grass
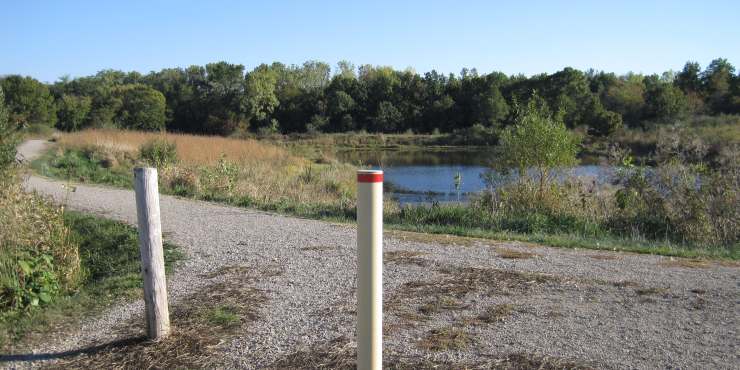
<point x="193" y="149"/>
<point x="496" y="313"/>
<point x="441" y="239"/>
<point x="405" y="258"/>
<point x="320" y="248"/>
<point x="684" y="262"/>
<point x="515" y="254"/>
<point x="244" y="171"/>
<point x="651" y="291"/>
<point x="625" y="284"/>
<point x="200" y="323"/>
<point x="604" y="257"/>
<point x="440" y="304"/>
<point x="446" y="339"/>
<point x="417" y="300"/>
<point x="339" y="353"/>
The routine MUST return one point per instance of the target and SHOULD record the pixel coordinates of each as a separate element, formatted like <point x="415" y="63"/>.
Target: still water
<point x="414" y="177"/>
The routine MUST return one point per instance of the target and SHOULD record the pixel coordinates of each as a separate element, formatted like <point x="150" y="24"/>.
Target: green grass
<point x="574" y="241"/>
<point x="224" y="316"/>
<point x="78" y="166"/>
<point x="110" y="260"/>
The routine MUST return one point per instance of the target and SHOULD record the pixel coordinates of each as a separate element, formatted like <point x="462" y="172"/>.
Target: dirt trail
<point x="450" y="301"/>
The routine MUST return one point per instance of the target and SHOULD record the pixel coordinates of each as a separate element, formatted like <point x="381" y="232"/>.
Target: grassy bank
<point x="259" y="175"/>
<point x="109" y="268"/>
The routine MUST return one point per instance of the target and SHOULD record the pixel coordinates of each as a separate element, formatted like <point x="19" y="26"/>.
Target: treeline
<point x="224" y="99"/>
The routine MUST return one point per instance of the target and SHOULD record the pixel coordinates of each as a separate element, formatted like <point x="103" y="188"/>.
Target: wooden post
<point x="152" y="255"/>
<point x="370" y="270"/>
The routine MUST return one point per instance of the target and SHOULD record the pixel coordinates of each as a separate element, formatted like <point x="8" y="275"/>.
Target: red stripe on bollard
<point x="369" y="177"/>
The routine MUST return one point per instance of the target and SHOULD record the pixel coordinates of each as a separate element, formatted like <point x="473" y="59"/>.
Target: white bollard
<point x="152" y="255"/>
<point x="370" y="270"/>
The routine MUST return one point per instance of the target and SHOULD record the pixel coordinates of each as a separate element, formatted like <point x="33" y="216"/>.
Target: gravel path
<point x="613" y="310"/>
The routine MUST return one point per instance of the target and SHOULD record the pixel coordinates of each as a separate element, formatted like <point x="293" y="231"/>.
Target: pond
<point x="422" y="177"/>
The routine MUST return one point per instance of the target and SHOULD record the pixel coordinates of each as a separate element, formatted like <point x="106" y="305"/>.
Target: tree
<point x="8" y="139"/>
<point x="663" y="100"/>
<point x="222" y="99"/>
<point x="491" y="107"/>
<point x="73" y="111"/>
<point x="688" y="80"/>
<point x="28" y="101"/>
<point x="717" y="82"/>
<point x="604" y="122"/>
<point x="142" y="108"/>
<point x="346" y="69"/>
<point x="626" y="96"/>
<point x="388" y="118"/>
<point x="537" y="140"/>
<point x="261" y="99"/>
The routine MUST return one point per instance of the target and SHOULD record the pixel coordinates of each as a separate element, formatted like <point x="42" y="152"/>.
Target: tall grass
<point x="243" y="172"/>
<point x="191" y="149"/>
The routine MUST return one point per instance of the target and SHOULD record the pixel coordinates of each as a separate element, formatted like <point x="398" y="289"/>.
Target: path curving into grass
<point x="260" y="290"/>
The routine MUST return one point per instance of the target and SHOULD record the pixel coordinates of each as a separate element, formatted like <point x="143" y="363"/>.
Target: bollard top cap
<point x="369" y="176"/>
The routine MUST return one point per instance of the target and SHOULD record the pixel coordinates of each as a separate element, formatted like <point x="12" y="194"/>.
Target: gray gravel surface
<point x="615" y="310"/>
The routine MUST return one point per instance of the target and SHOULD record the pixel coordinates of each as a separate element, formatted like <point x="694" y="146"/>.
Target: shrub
<point x="159" y="153"/>
<point x="183" y="181"/>
<point x="680" y="201"/>
<point x="537" y="140"/>
<point x="219" y="181"/>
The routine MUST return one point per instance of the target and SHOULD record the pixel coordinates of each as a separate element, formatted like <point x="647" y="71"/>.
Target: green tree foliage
<point x="261" y="98"/>
<point x="603" y="122"/>
<point x="73" y="112"/>
<point x="717" y="81"/>
<point x="142" y="108"/>
<point x="626" y="96"/>
<point x="8" y="139"/>
<point x="387" y="118"/>
<point x="29" y="101"/>
<point x="689" y="79"/>
<point x="539" y="141"/>
<point x="663" y="100"/>
<point x="222" y="98"/>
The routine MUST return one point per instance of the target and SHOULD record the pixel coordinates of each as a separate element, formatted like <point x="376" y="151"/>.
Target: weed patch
<point x="405" y="258"/>
<point x="515" y="254"/>
<point x="686" y="263"/>
<point x="445" y="339"/>
<point x="650" y="291"/>
<point x="496" y="313"/>
<point x="197" y="329"/>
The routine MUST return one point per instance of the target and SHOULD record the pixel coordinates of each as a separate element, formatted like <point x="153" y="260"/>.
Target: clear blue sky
<point x="48" y="39"/>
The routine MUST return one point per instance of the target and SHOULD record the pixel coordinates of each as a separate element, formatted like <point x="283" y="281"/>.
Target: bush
<point x="680" y="201"/>
<point x="159" y="153"/>
<point x="218" y="182"/>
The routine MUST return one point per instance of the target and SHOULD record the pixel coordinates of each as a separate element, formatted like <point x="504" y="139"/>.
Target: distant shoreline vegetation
<point x="224" y="99"/>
